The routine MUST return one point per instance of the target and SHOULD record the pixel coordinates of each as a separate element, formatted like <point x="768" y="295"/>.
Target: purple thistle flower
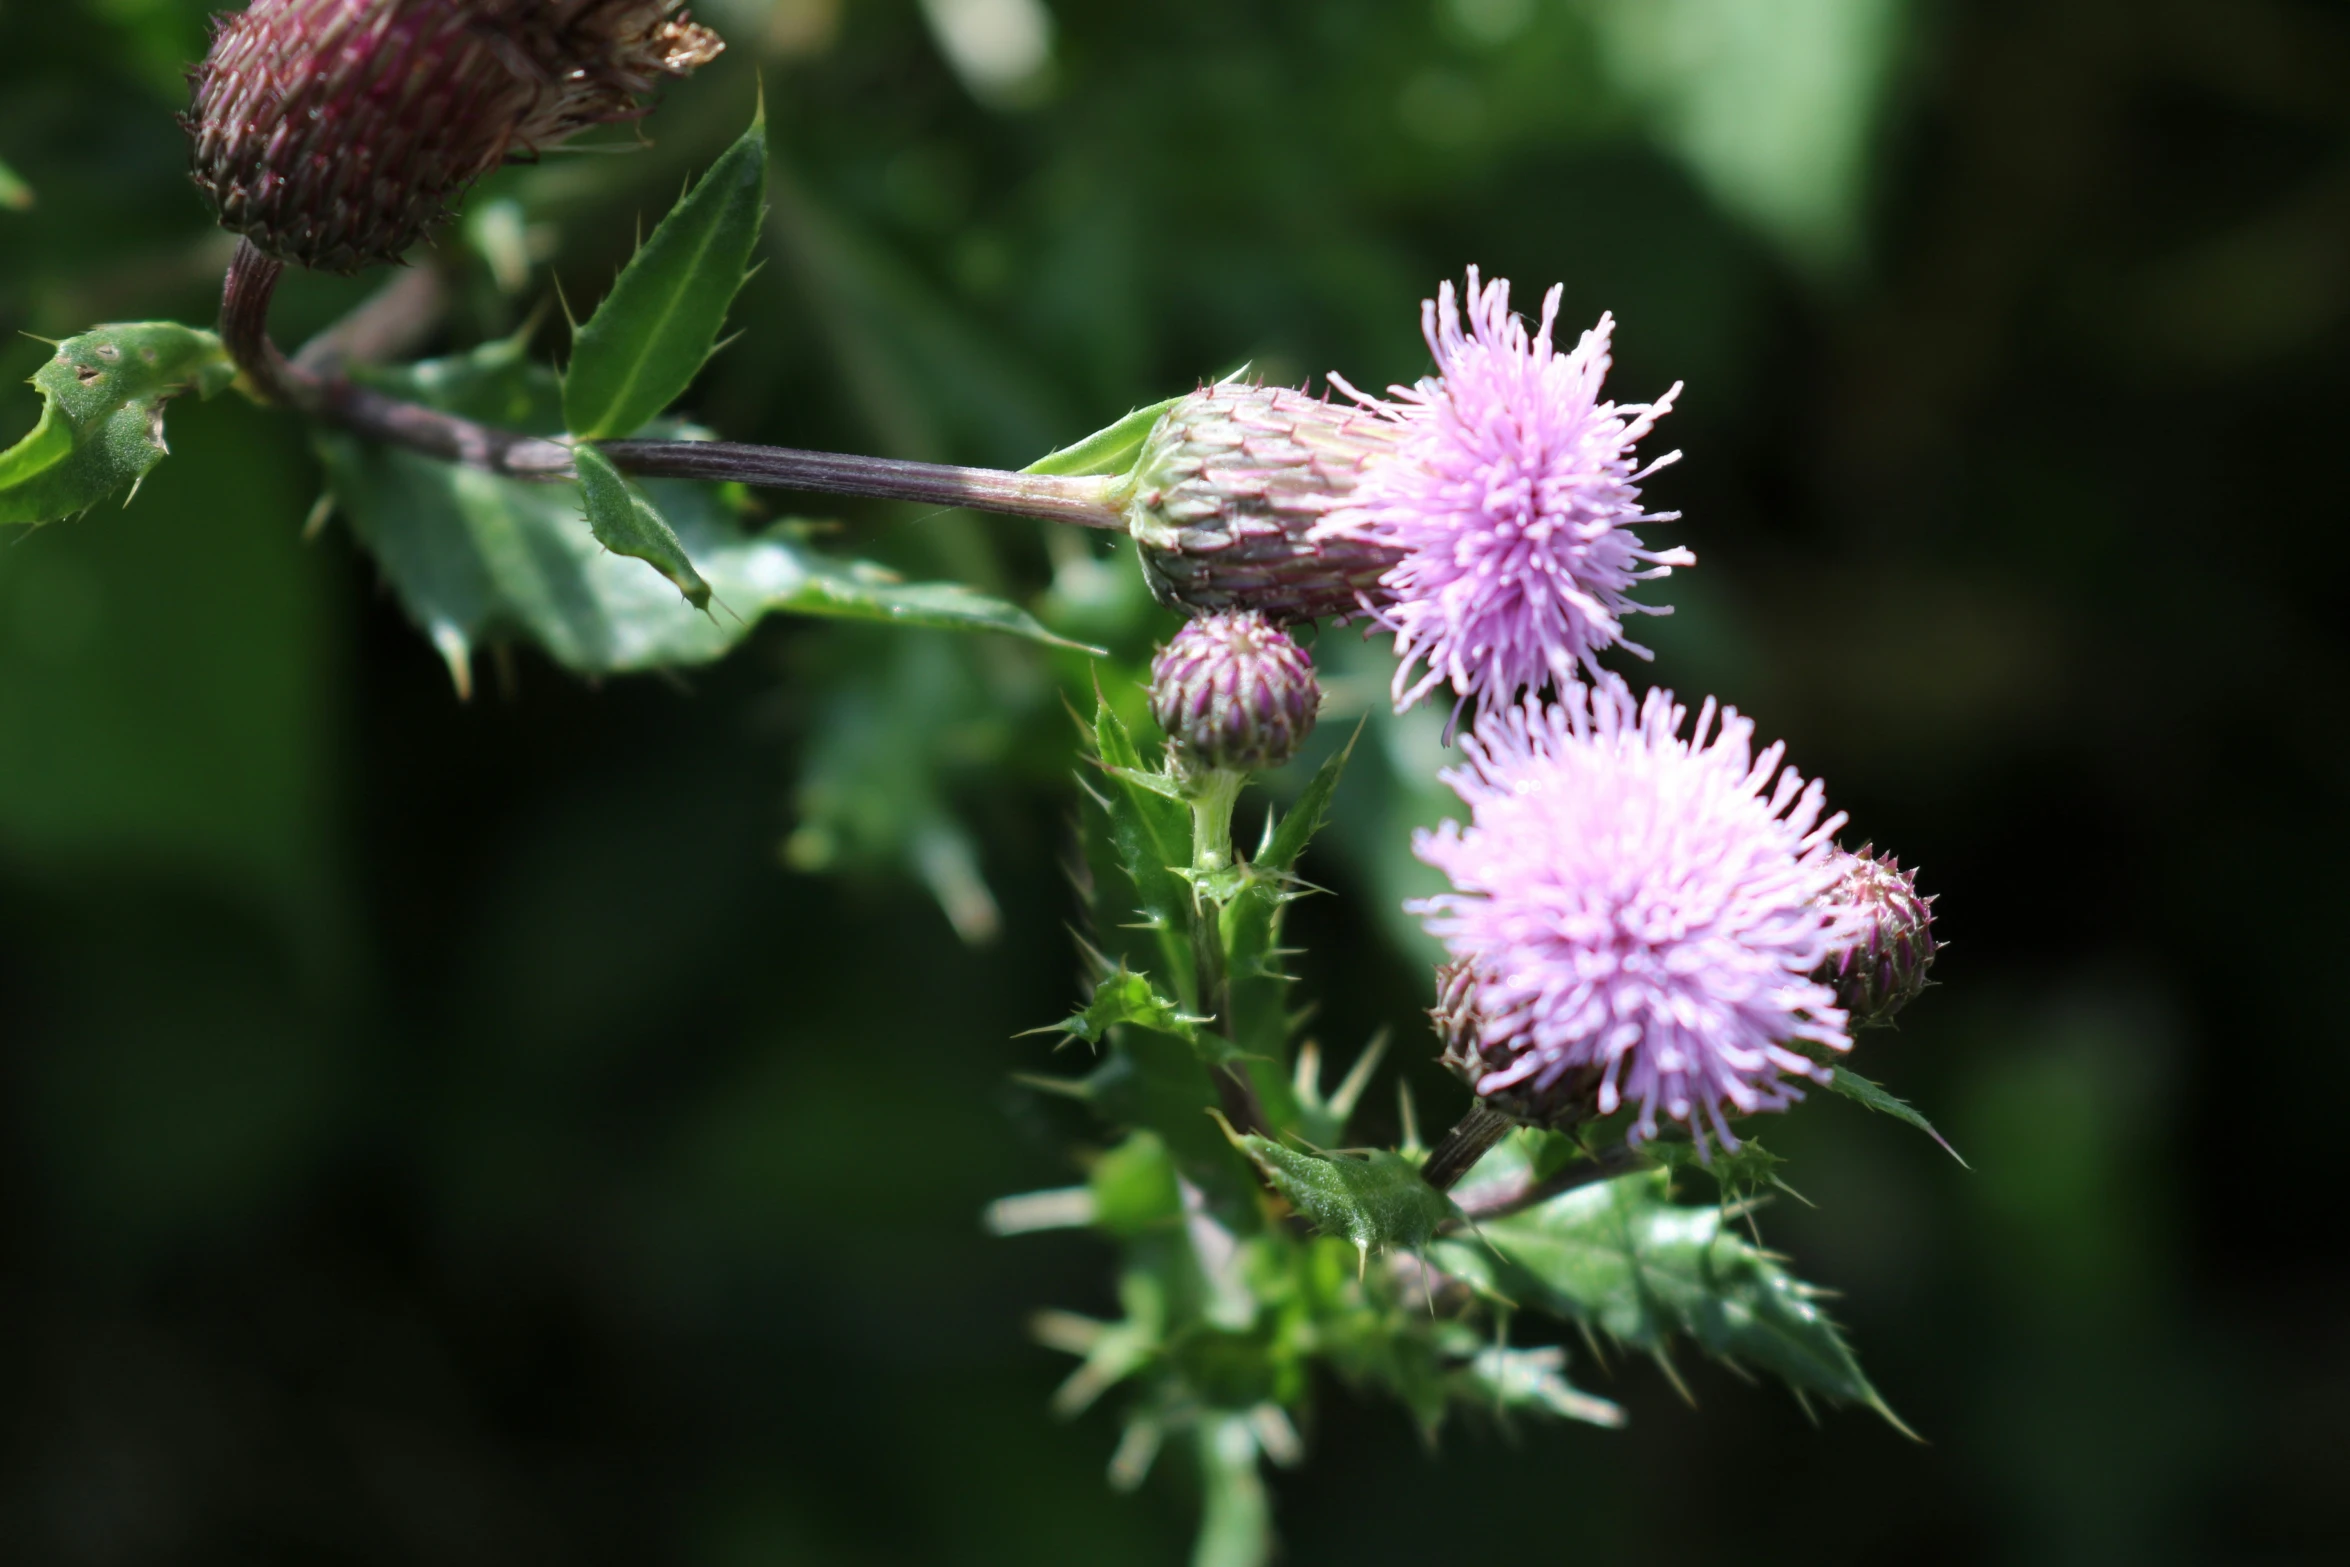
<point x="1511" y="497"/>
<point x="1646" y="905"/>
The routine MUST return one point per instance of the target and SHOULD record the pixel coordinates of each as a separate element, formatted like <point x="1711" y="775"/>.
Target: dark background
<point x="553" y="1128"/>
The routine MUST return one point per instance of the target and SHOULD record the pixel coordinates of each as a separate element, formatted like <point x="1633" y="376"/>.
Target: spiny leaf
<point x="1125" y="997"/>
<point x="1855" y="1087"/>
<point x="101" y="425"/>
<point x="1286" y="843"/>
<point x="1622" y="1257"/>
<point x="625" y="523"/>
<point x="649" y="338"/>
<point x="475" y="557"/>
<point x="1376" y="1200"/>
<point x="1532" y="1380"/>
<point x="1110" y="450"/>
<point x="1249" y="921"/>
<point x="1151" y="834"/>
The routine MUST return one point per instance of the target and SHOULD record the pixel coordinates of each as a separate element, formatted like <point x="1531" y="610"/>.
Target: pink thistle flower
<point x="1645" y="905"/>
<point x="1511" y="497"/>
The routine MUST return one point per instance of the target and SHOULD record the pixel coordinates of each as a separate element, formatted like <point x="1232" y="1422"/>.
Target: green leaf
<point x="1774" y="108"/>
<point x="1285" y="843"/>
<point x="1134" y="1187"/>
<point x="1249" y="925"/>
<point x="476" y="558"/>
<point x="1531" y="1380"/>
<point x="1125" y="997"/>
<point x="1855" y="1087"/>
<point x="15" y="194"/>
<point x="1236" y="1523"/>
<point x="649" y="338"/>
<point x="1621" y="1257"/>
<point x="1375" y="1200"/>
<point x="101" y="425"/>
<point x="625" y="523"/>
<point x="1150" y="832"/>
<point x="1111" y="450"/>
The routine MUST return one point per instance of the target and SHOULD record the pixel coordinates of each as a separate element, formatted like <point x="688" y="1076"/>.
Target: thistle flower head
<point x="1225" y="497"/>
<point x="1510" y="498"/>
<point x="1640" y="903"/>
<point x="335" y="133"/>
<point x="1234" y="692"/>
<point x="1880" y="965"/>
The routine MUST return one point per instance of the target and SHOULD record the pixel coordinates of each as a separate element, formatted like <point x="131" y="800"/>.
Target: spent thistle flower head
<point x="1880" y="965"/>
<point x="1476" y="1048"/>
<point x="335" y="133"/>
<point x="1510" y="498"/>
<point x="1225" y="497"/>
<point x="1641" y="903"/>
<point x="1234" y="692"/>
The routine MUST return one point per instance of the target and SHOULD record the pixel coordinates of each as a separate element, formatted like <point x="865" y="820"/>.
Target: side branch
<point x="315" y="385"/>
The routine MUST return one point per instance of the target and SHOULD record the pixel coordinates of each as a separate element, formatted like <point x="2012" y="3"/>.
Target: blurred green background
<point x="553" y="1128"/>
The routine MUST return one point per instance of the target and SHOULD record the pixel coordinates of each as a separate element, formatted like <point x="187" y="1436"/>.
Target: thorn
<point x="1672" y="1374"/>
<point x="1358" y="1078"/>
<point x="457" y="653"/>
<point x="1306" y="1082"/>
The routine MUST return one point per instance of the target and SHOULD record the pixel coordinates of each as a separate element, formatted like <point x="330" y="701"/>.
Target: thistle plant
<point x="1654" y="941"/>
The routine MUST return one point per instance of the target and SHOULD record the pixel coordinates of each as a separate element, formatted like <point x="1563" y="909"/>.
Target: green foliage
<point x="1532" y="1381"/>
<point x="1150" y="832"/>
<point x="650" y="337"/>
<point x="1621" y="1257"/>
<point x="625" y="523"/>
<point x="1375" y="1200"/>
<point x="1249" y="921"/>
<point x="15" y="194"/>
<point x="1126" y="997"/>
<point x="1855" y="1087"/>
<point x="1236" y="1525"/>
<point x="1134" y="1186"/>
<point x="1110" y="450"/>
<point x="101" y="426"/>
<point x="475" y="557"/>
<point x="1774" y="107"/>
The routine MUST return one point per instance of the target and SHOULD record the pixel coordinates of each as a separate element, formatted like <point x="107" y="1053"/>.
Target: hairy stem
<point x="1468" y="1142"/>
<point x="316" y="385"/>
<point x="1521" y="1195"/>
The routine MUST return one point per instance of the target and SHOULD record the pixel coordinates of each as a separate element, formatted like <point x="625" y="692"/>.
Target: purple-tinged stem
<point x="1469" y="1141"/>
<point x="322" y="391"/>
<point x="1520" y="1195"/>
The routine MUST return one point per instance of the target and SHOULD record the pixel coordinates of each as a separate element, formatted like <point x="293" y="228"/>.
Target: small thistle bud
<point x="1880" y="967"/>
<point x="1234" y="692"/>
<point x="335" y="133"/>
<point x="1229" y="487"/>
<point x="1475" y="1050"/>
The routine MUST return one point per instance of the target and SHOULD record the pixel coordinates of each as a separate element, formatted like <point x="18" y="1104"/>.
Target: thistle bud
<point x="1880" y="966"/>
<point x="1479" y="1051"/>
<point x="1229" y="486"/>
<point x="1234" y="692"/>
<point x="335" y="133"/>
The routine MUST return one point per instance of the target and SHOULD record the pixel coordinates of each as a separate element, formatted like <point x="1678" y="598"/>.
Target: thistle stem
<point x="322" y="391"/>
<point x="1211" y="850"/>
<point x="1469" y="1141"/>
<point x="1524" y="1194"/>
